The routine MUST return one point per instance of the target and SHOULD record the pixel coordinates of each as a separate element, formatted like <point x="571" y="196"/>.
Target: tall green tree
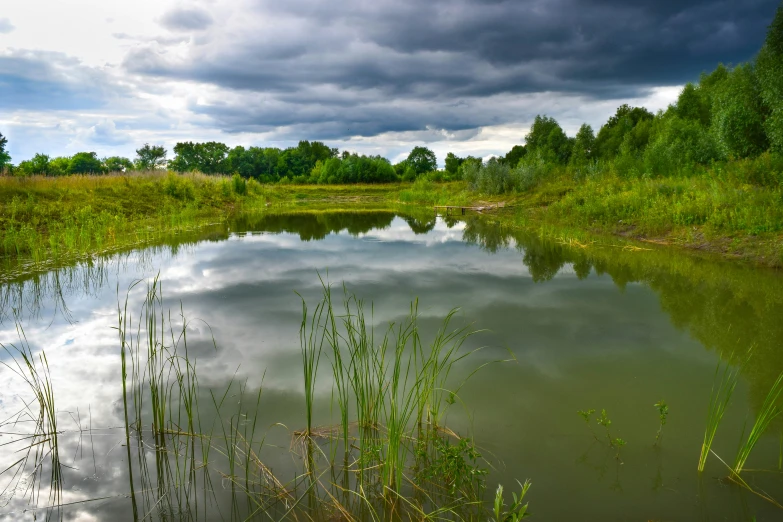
<point x="59" y="166"/>
<point x="5" y="158"/>
<point x="208" y="158"/>
<point x="150" y="157"/>
<point x="422" y="160"/>
<point x="37" y="165"/>
<point x="85" y="163"/>
<point x="513" y="156"/>
<point x="738" y="114"/>
<point x="769" y="67"/>
<point x="548" y="140"/>
<point x="692" y="104"/>
<point x="117" y="164"/>
<point x="612" y="133"/>
<point x="584" y="146"/>
<point x="452" y="163"/>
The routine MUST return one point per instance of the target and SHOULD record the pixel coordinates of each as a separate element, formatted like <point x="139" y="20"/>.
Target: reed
<point x="723" y="384"/>
<point x="42" y="443"/>
<point x="769" y="410"/>
<point x="312" y="346"/>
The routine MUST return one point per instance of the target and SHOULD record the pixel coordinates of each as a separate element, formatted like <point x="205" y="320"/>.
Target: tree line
<point x="308" y="162"/>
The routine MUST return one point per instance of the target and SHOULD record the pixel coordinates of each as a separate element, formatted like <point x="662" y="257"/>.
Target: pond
<point x="561" y="327"/>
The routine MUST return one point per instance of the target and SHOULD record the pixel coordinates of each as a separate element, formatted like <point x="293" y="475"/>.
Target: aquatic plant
<point x="517" y="510"/>
<point x="42" y="443"/>
<point x="604" y="421"/>
<point x="311" y="347"/>
<point x="723" y="384"/>
<point x="663" y="413"/>
<point x="586" y="414"/>
<point x="769" y="410"/>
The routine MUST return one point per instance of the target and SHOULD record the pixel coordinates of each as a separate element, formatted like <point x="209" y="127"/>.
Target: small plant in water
<point x="663" y="412"/>
<point x="516" y="511"/>
<point x="604" y="421"/>
<point x="455" y="465"/>
<point x="586" y="414"/>
<point x="618" y="443"/>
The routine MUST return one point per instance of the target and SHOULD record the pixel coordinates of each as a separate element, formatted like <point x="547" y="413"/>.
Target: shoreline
<point x="43" y="220"/>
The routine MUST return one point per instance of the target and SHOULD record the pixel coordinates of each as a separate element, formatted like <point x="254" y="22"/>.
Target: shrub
<point x="239" y="185"/>
<point x="178" y="187"/>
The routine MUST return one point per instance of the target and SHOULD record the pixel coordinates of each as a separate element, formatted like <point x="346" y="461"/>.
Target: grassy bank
<point x="715" y="214"/>
<point x="51" y="218"/>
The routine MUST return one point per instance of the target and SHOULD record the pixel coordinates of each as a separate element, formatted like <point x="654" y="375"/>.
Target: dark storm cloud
<point x="403" y="65"/>
<point x="39" y="80"/>
<point x="186" y="20"/>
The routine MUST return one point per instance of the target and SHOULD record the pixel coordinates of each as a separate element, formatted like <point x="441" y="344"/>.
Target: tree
<point x="739" y="114"/>
<point x="692" y="104"/>
<point x="39" y="164"/>
<point x="85" y="163"/>
<point x="422" y="160"/>
<point x="59" y="166"/>
<point x="547" y="139"/>
<point x="452" y="163"/>
<point x="150" y="157"/>
<point x="769" y="67"/>
<point x="612" y="133"/>
<point x="209" y="157"/>
<point x="513" y="156"/>
<point x="584" y="145"/>
<point x="5" y="158"/>
<point x="117" y="164"/>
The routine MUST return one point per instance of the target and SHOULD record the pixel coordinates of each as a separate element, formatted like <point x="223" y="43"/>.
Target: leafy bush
<point x="178" y="187"/>
<point x="239" y="185"/>
<point x="679" y="144"/>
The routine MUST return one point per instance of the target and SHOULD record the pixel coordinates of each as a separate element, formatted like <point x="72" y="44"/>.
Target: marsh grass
<point x="769" y="410"/>
<point x="394" y="384"/>
<point x="43" y="218"/>
<point x="723" y="385"/>
<point x="40" y="447"/>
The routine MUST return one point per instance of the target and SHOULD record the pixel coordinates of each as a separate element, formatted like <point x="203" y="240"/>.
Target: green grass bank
<point x="45" y="218"/>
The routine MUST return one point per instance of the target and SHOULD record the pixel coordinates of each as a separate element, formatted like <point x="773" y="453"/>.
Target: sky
<point x="374" y="77"/>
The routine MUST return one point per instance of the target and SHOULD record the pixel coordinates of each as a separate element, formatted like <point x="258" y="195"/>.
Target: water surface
<point x="596" y="327"/>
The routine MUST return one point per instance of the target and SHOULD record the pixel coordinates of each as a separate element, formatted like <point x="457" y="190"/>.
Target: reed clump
<point x="391" y="391"/>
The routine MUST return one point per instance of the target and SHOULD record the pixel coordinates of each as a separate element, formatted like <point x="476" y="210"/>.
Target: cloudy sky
<point x="376" y="77"/>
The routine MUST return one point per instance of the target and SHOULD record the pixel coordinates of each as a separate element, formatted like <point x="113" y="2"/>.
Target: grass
<point x="769" y="410"/>
<point x="723" y="385"/>
<point x="38" y="446"/>
<point x="393" y="383"/>
<point x="42" y="219"/>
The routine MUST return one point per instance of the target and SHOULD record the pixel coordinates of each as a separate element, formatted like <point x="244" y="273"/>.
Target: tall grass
<point x="42" y="443"/>
<point x="723" y="385"/>
<point x="42" y="218"/>
<point x="769" y="410"/>
<point x="392" y="383"/>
